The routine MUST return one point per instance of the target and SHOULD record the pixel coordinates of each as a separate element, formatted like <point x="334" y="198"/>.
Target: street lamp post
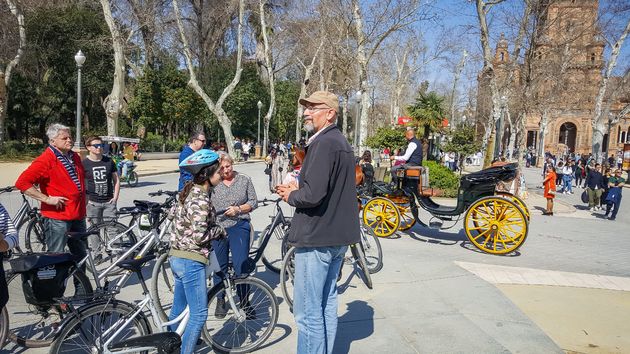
<point x="356" y="120"/>
<point x="79" y="58"/>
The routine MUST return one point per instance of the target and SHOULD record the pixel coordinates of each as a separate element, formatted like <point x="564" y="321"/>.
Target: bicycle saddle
<point x="135" y="264"/>
<point x="165" y="342"/>
<point x="81" y="235"/>
<point x="128" y="210"/>
<point x="146" y="205"/>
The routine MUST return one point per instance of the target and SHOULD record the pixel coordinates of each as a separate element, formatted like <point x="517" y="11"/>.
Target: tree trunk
<point x="543" y="131"/>
<point x="114" y="103"/>
<point x="344" y="112"/>
<point x="362" y="63"/>
<point x="599" y="119"/>
<point x="308" y="71"/>
<point x="270" y="75"/>
<point x="215" y="108"/>
<point x="5" y="75"/>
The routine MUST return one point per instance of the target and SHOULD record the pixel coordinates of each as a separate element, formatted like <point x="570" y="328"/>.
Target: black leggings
<point x="4" y="288"/>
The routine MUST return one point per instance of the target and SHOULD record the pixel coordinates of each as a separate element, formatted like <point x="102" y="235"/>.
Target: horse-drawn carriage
<point x="495" y="219"/>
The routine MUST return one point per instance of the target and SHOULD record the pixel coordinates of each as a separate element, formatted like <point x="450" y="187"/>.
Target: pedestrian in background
<point x="594" y="187"/>
<point x="580" y="173"/>
<point x="613" y="200"/>
<point x="549" y="183"/>
<point x="196" y="141"/>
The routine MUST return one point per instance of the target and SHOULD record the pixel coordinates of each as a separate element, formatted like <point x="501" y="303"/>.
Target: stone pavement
<point x="424" y="301"/>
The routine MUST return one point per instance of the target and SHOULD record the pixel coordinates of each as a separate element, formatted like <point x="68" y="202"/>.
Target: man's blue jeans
<point x="56" y="238"/>
<point x="567" y="179"/>
<point x="315" y="297"/>
<point x="190" y="290"/>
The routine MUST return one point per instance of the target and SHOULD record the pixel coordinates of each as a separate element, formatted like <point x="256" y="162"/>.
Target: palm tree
<point x="428" y="111"/>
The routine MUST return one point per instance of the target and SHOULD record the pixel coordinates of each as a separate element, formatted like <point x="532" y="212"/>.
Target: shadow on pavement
<point x="357" y="323"/>
<point x="142" y="184"/>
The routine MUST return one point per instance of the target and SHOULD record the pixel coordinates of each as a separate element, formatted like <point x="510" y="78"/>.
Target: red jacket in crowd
<point x="53" y="180"/>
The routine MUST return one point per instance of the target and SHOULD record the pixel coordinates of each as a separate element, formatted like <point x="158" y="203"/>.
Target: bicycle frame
<point x="278" y="219"/>
<point x="149" y="241"/>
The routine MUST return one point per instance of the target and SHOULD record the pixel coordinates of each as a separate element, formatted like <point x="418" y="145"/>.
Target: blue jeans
<point x="315" y="297"/>
<point x="56" y="238"/>
<point x="190" y="290"/>
<point x="567" y="185"/>
<point x="237" y="242"/>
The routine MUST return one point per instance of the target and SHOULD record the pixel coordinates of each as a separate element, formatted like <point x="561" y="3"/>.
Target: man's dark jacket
<point x="595" y="178"/>
<point x="326" y="212"/>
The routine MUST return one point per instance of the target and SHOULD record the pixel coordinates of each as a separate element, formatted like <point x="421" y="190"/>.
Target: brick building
<point x="566" y="69"/>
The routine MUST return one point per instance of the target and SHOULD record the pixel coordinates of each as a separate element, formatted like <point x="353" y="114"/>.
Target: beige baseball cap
<point x="322" y="97"/>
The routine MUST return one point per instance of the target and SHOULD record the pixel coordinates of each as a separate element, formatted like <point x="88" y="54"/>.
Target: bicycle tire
<point x="38" y="333"/>
<point x="273" y="252"/>
<point x="162" y="286"/>
<point x="132" y="179"/>
<point x="76" y="329"/>
<point x="359" y="256"/>
<point x="262" y="300"/>
<point x="4" y="326"/>
<point x="110" y="253"/>
<point x="372" y="249"/>
<point x="287" y="275"/>
<point x="35" y="239"/>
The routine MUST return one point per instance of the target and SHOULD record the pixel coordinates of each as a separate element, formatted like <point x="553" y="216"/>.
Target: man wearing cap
<point x="412" y="156"/>
<point x="326" y="221"/>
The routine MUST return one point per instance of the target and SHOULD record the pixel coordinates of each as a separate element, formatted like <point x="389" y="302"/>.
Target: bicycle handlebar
<point x="161" y="192"/>
<point x="267" y="201"/>
<point x="7" y="189"/>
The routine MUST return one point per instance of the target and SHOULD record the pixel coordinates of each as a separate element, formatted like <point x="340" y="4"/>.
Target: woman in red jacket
<point x="59" y="174"/>
<point x="550" y="189"/>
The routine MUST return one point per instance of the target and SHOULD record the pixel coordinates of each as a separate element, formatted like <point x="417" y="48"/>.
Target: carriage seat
<point x="421" y="173"/>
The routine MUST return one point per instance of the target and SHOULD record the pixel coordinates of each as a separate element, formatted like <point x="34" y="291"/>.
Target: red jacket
<point x="53" y="180"/>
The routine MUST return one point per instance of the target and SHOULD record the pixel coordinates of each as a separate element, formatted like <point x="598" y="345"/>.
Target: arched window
<point x="592" y="58"/>
<point x="568" y="135"/>
<point x="502" y="56"/>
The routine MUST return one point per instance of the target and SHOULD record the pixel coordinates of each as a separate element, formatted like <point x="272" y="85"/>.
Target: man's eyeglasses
<point x="98" y="146"/>
<point x="202" y="140"/>
<point x="312" y="109"/>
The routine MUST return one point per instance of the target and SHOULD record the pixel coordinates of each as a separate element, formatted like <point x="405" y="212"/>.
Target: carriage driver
<point x="412" y="156"/>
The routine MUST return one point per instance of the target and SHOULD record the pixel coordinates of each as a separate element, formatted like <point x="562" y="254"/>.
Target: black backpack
<point x="43" y="275"/>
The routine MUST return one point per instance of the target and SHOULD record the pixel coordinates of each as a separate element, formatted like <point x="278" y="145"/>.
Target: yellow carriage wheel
<point x="520" y="202"/>
<point x="403" y="204"/>
<point x="382" y="215"/>
<point x="496" y="225"/>
<point x="407" y="219"/>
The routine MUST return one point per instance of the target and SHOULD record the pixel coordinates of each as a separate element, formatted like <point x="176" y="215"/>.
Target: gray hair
<point x="54" y="129"/>
<point x="223" y="156"/>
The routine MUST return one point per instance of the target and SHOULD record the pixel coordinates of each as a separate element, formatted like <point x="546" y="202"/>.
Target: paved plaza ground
<point x="567" y="289"/>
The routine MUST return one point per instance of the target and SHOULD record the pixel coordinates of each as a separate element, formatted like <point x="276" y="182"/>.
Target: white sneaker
<point x="592" y="209"/>
<point x="598" y="208"/>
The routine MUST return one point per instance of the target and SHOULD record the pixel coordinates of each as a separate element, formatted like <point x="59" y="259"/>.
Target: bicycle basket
<point x="44" y="275"/>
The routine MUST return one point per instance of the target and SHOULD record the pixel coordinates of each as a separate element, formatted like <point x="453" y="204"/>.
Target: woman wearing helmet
<point x="194" y="218"/>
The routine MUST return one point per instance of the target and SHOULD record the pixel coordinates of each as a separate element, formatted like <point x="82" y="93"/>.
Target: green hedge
<point x="14" y="150"/>
<point x="442" y="178"/>
<point x="153" y="143"/>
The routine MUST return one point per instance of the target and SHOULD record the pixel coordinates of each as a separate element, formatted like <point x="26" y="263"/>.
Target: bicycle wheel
<point x="248" y="329"/>
<point x="372" y="249"/>
<point x="287" y="274"/>
<point x="35" y="240"/>
<point x="4" y="326"/>
<point x="162" y="286"/>
<point x="86" y="333"/>
<point x="273" y="252"/>
<point x="359" y="257"/>
<point x="112" y="241"/>
<point x="35" y="326"/>
<point x="132" y="179"/>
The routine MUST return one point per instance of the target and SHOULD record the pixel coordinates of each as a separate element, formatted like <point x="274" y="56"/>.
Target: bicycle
<point x="114" y="238"/>
<point x="4" y="326"/>
<point x="31" y="220"/>
<point x="162" y="276"/>
<point x="253" y="307"/>
<point x="358" y="260"/>
<point x="34" y="325"/>
<point x="279" y="226"/>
